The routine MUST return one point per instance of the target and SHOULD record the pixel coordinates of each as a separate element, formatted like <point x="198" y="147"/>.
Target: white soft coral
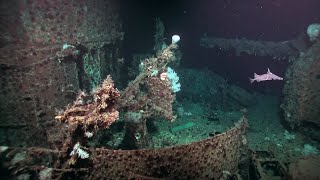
<point x="78" y="151"/>
<point x="174" y="80"/>
<point x="313" y="32"/>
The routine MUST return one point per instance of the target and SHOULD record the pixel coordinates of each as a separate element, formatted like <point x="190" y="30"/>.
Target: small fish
<point x="265" y="77"/>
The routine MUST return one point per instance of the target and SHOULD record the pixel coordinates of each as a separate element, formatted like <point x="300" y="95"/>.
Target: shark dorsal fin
<point x="269" y="72"/>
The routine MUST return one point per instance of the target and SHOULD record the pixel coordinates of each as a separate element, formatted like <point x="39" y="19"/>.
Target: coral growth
<point x="158" y="97"/>
<point x="93" y="114"/>
<point x="147" y="95"/>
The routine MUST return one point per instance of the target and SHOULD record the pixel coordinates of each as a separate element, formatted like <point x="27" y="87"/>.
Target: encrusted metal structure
<point x="49" y="49"/>
<point x="207" y="159"/>
<point x="276" y="50"/>
<point x="305" y="168"/>
<point x="301" y="103"/>
<point x="266" y="166"/>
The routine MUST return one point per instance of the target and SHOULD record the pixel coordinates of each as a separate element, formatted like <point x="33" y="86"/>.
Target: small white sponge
<point x="175" y="39"/>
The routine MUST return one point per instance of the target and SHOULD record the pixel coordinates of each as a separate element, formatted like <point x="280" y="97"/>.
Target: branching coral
<point x="93" y="113"/>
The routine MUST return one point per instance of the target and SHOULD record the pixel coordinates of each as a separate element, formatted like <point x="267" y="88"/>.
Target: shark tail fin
<point x="251" y="80"/>
<point x="255" y="75"/>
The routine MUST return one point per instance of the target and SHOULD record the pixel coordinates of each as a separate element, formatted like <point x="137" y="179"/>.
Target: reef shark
<point x="265" y="77"/>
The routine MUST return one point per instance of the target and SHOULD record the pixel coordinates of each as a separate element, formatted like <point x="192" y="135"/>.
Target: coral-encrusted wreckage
<point x="47" y="55"/>
<point x="50" y="50"/>
<point x="301" y="106"/>
<point x="100" y="113"/>
<point x="84" y="118"/>
<point x="60" y="63"/>
<point x="206" y="159"/>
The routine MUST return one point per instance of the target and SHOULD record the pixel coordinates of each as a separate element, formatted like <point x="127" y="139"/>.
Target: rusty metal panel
<point x="37" y="74"/>
<point x="206" y="159"/>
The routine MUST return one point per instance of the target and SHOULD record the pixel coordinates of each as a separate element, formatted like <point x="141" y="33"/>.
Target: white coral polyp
<point x="79" y="152"/>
